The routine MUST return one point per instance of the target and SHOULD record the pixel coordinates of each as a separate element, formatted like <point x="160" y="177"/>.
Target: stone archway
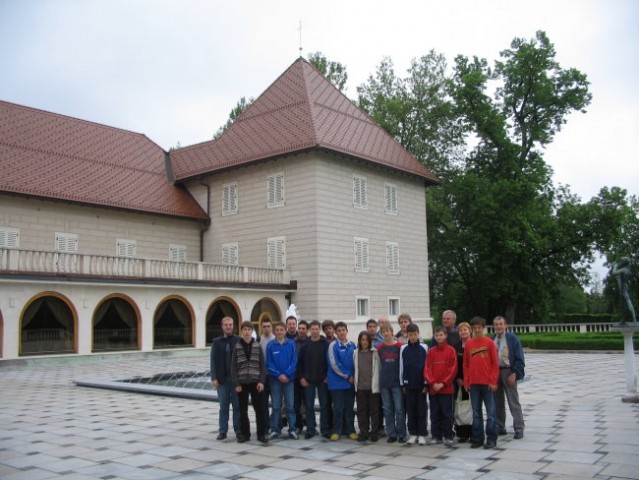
<point x="265" y="308"/>
<point x="48" y="325"/>
<point x="173" y="324"/>
<point x="221" y="307"/>
<point x="116" y="324"/>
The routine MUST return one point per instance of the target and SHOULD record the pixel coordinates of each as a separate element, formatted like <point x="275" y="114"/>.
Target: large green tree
<point x="501" y="235"/>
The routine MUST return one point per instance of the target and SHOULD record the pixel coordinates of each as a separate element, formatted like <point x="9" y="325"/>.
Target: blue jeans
<point x="226" y="396"/>
<point x="281" y="390"/>
<point x="309" y="401"/>
<point x="393" y="402"/>
<point x="343" y="411"/>
<point x="481" y="394"/>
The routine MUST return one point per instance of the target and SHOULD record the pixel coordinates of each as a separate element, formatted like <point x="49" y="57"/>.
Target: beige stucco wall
<point x="320" y="223"/>
<point x="97" y="228"/>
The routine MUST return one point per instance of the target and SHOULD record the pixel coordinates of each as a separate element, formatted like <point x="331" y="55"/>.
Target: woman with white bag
<point x="463" y="408"/>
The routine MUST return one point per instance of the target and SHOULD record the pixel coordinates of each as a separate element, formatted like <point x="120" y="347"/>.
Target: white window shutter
<point x="9" y="238"/>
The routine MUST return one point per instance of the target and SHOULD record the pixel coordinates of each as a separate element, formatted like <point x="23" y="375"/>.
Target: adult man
<point x="281" y="362"/>
<point x="481" y="373"/>
<point x="511" y="369"/>
<point x="312" y="365"/>
<point x="221" y="351"/>
<point x="449" y="318"/>
<point x="291" y="327"/>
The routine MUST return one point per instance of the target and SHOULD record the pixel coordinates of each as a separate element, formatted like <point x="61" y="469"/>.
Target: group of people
<point x="393" y="378"/>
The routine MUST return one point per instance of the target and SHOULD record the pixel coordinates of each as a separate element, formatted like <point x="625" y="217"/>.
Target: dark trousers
<point x="343" y="413"/>
<point x="257" y="399"/>
<point x="367" y="411"/>
<point x="300" y="407"/>
<point x="416" y="411"/>
<point x="441" y="415"/>
<point x="309" y="400"/>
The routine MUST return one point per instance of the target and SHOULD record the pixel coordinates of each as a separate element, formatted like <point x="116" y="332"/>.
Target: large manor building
<point x="110" y="243"/>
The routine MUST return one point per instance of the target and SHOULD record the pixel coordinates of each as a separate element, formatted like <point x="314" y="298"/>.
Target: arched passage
<point x="48" y="325"/>
<point x="265" y="308"/>
<point x="220" y="308"/>
<point x="116" y="323"/>
<point x="173" y="324"/>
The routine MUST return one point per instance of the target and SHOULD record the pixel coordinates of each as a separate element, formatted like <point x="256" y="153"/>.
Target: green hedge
<point x="575" y="341"/>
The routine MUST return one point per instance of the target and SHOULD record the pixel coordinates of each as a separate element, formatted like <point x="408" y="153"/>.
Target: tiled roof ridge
<point x="310" y="100"/>
<point x="76" y="120"/>
<point x="83" y="159"/>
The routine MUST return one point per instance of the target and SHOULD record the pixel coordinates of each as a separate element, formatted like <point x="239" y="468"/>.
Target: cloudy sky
<point x="173" y="70"/>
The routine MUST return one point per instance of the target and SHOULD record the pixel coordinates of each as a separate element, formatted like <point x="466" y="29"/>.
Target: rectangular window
<point x="229" y="198"/>
<point x="390" y="198"/>
<point x="9" y="238"/>
<point x="360" y="198"/>
<point x="361" y="254"/>
<point x="66" y="242"/>
<point x="392" y="257"/>
<point x="362" y="307"/>
<point x="393" y="307"/>
<point x="177" y="253"/>
<point x="230" y="254"/>
<point x="276" y="252"/>
<point x="125" y="248"/>
<point x="275" y="190"/>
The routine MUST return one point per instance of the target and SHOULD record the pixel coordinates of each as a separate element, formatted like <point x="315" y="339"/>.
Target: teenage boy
<point x="281" y="362"/>
<point x="403" y="320"/>
<point x="328" y="328"/>
<point x="413" y="360"/>
<point x="248" y="374"/>
<point x="440" y="373"/>
<point x="390" y="386"/>
<point x="511" y="369"/>
<point x="372" y="329"/>
<point x="221" y="351"/>
<point x="481" y="373"/>
<point x="300" y="408"/>
<point x="341" y="376"/>
<point x="266" y="336"/>
<point x="313" y="370"/>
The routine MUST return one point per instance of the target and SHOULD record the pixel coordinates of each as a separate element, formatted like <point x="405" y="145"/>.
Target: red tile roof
<point x="300" y="111"/>
<point x="52" y="156"/>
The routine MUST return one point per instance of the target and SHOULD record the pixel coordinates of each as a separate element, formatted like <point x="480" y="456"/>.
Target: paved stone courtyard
<point x="576" y="428"/>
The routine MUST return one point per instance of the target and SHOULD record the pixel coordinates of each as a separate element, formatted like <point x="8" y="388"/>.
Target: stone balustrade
<point x="104" y="266"/>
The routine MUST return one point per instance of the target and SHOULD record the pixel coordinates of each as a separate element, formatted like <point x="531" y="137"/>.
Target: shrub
<point x="575" y="341"/>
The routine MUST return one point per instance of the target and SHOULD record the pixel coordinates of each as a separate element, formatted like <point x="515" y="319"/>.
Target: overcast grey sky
<point x="174" y="69"/>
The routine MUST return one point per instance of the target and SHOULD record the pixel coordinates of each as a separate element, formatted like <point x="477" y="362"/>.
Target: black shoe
<point x="391" y="439"/>
<point x="462" y="440"/>
<point x="327" y="436"/>
<point x="221" y="436"/>
<point x="490" y="445"/>
<point x="502" y="432"/>
<point x="262" y="438"/>
<point x="241" y="438"/>
<point x="309" y="435"/>
<point x="373" y="437"/>
<point x="476" y="444"/>
<point x="518" y="435"/>
<point x="361" y="438"/>
<point x="402" y="439"/>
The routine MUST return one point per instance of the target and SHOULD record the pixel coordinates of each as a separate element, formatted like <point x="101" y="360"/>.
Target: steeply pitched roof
<point x="51" y="156"/>
<point x="300" y="111"/>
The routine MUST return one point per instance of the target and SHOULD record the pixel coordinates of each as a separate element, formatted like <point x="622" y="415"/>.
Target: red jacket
<point x="481" y="365"/>
<point x="441" y="367"/>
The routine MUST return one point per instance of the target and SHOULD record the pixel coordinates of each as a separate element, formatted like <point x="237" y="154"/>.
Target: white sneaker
<point x="422" y="440"/>
<point x="449" y="442"/>
<point x="412" y="439"/>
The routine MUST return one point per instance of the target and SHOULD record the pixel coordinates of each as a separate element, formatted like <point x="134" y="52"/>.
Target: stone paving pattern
<point x="576" y="428"/>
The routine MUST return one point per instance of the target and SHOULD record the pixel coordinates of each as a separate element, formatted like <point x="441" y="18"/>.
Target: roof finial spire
<point x="300" y="30"/>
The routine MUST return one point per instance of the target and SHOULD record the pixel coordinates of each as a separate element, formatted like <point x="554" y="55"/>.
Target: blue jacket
<point x="281" y="358"/>
<point x="412" y="361"/>
<point x="515" y="355"/>
<point x="340" y="365"/>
